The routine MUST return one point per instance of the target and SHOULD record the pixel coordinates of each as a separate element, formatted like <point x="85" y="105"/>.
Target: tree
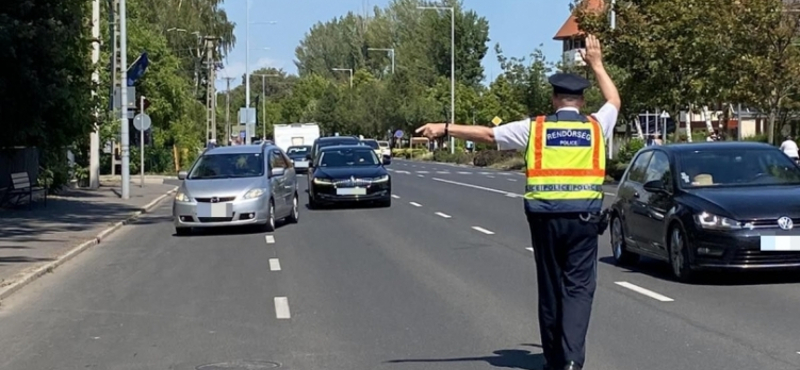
<point x="766" y="66"/>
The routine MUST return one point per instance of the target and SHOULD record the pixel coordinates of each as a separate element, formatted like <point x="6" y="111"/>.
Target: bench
<point x="21" y="190"/>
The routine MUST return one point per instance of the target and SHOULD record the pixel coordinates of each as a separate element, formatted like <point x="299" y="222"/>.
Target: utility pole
<point x="211" y="116"/>
<point x="228" y="111"/>
<point x="94" y="137"/>
<point x="112" y="24"/>
<point x="123" y="93"/>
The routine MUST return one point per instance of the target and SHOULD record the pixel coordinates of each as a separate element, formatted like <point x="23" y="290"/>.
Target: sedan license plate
<point x="351" y="191"/>
<point x="780" y="243"/>
<point x="214" y="210"/>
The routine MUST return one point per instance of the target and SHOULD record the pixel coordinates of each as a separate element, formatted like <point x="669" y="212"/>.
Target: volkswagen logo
<point x="785" y="223"/>
<point x="216" y="200"/>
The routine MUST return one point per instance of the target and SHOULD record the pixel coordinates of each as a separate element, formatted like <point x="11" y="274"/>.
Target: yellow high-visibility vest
<point x="566" y="163"/>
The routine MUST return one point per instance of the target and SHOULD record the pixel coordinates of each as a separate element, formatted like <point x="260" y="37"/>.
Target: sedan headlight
<point x="710" y="221"/>
<point x="383" y="178"/>
<point x="182" y="197"/>
<point x="254" y="193"/>
<point x="320" y="181"/>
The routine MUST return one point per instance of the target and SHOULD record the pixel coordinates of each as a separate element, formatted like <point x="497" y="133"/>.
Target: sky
<point x="520" y="26"/>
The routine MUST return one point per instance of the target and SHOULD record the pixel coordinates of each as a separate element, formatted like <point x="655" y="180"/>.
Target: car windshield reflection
<point x="726" y="168"/>
<point x="223" y="166"/>
<point x="348" y="158"/>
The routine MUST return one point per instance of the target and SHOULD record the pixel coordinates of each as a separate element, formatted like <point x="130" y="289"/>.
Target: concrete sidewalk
<point x="44" y="236"/>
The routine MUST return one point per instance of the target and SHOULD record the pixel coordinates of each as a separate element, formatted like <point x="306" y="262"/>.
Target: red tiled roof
<point x="570" y="27"/>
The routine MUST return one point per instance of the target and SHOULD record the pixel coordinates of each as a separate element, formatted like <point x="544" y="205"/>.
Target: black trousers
<point x="565" y="249"/>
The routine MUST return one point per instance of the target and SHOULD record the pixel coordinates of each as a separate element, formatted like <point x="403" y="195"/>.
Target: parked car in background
<point x="386" y="148"/>
<point x="709" y="206"/>
<point x="349" y="173"/>
<point x="372" y="143"/>
<point x="237" y="186"/>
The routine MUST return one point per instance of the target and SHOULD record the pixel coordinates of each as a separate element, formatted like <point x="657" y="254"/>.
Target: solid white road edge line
<point x="282" y="308"/>
<point x="644" y="291"/>
<point x="274" y="264"/>
<point x="444" y="215"/>
<point x="415" y="204"/>
<point x="270" y="239"/>
<point x="478" y="228"/>
<point x="395" y="196"/>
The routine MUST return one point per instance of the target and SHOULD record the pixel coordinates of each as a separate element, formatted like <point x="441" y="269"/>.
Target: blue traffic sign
<point x="398" y="134"/>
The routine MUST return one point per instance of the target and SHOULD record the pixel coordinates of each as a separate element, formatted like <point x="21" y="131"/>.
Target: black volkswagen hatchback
<point x="349" y="173"/>
<point x="709" y="206"/>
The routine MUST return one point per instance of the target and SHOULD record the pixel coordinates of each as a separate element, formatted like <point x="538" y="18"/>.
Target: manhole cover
<point x="240" y="365"/>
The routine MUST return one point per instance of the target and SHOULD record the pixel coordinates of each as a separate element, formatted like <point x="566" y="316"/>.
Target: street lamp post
<point x="264" y="103"/>
<point x="343" y="70"/>
<point x="391" y="54"/>
<point x="452" y="64"/>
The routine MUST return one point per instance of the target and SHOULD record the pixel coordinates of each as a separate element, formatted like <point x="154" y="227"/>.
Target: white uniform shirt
<point x="514" y="135"/>
<point x="790" y="148"/>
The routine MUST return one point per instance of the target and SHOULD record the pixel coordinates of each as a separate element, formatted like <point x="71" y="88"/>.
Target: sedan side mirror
<point x="182" y="175"/>
<point x="308" y="156"/>
<point x="655" y="186"/>
<point x="277" y="172"/>
<point x="387" y="160"/>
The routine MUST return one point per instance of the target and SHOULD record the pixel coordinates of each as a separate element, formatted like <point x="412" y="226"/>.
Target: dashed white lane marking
<point x="444" y="215"/>
<point x="274" y="264"/>
<point x="390" y="170"/>
<point x="282" y="308"/>
<point x="270" y="239"/>
<point x="511" y="179"/>
<point x="415" y="204"/>
<point x="480" y="229"/>
<point x="464" y="173"/>
<point x="486" y="173"/>
<point x="395" y="196"/>
<point x="498" y="191"/>
<point x="491" y="177"/>
<point x="420" y="175"/>
<point x="530" y="249"/>
<point x="610" y="194"/>
<point x="443" y="172"/>
<point x="644" y="291"/>
<point x="422" y="172"/>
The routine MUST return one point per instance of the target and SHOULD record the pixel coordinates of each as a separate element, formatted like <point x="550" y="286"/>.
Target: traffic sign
<point x="142" y="122"/>
<point x="497" y="120"/>
<point x="398" y="134"/>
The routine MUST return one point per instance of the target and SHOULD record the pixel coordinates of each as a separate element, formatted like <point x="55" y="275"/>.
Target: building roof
<point x="570" y="27"/>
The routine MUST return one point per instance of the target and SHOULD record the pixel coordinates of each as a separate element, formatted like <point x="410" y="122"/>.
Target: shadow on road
<point x="507" y="358"/>
<point x="661" y="270"/>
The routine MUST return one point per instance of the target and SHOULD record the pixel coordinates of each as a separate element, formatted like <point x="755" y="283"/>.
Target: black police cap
<point x="568" y="83"/>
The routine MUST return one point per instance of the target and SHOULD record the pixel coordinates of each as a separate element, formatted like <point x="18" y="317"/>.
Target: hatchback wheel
<point x="679" y="256"/>
<point x="620" y="251"/>
<point x="270" y="226"/>
<point x="295" y="216"/>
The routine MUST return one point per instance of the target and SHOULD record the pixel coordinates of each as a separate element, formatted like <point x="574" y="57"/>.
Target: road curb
<point x="40" y="271"/>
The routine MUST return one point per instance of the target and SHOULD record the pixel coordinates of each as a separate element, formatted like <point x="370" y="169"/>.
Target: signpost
<point x="142" y="123"/>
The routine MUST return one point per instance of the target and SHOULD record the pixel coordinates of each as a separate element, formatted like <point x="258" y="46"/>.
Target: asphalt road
<point x="441" y="280"/>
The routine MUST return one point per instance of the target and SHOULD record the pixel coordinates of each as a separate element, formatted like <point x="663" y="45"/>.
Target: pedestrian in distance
<point x="565" y="156"/>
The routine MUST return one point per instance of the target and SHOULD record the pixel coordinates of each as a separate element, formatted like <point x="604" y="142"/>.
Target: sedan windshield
<point x="298" y="150"/>
<point x="750" y="167"/>
<point x="348" y="158"/>
<point x="371" y="143"/>
<point x="224" y="166"/>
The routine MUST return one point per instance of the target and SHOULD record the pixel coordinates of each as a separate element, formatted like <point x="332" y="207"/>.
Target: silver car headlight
<point x="182" y="197"/>
<point x="320" y="181"/>
<point x="254" y="193"/>
<point x="711" y="221"/>
<point x="383" y="178"/>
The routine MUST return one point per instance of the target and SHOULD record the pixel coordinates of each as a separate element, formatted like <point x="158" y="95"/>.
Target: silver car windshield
<point x="223" y="166"/>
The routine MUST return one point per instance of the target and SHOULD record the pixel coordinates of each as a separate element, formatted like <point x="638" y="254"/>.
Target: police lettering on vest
<point x="565" y="166"/>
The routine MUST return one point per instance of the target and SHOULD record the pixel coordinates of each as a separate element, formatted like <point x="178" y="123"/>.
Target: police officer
<point x="565" y="157"/>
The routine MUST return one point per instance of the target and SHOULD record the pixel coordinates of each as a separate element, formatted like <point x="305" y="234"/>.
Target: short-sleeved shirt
<point x="515" y="135"/>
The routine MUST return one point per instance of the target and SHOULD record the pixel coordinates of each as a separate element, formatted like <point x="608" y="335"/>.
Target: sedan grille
<point x="768" y="223"/>
<point x="757" y="257"/>
<point x="218" y="199"/>
<point x="352" y="182"/>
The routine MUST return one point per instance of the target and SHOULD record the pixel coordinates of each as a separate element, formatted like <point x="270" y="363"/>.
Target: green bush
<point x="485" y="158"/>
<point x="458" y="157"/>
